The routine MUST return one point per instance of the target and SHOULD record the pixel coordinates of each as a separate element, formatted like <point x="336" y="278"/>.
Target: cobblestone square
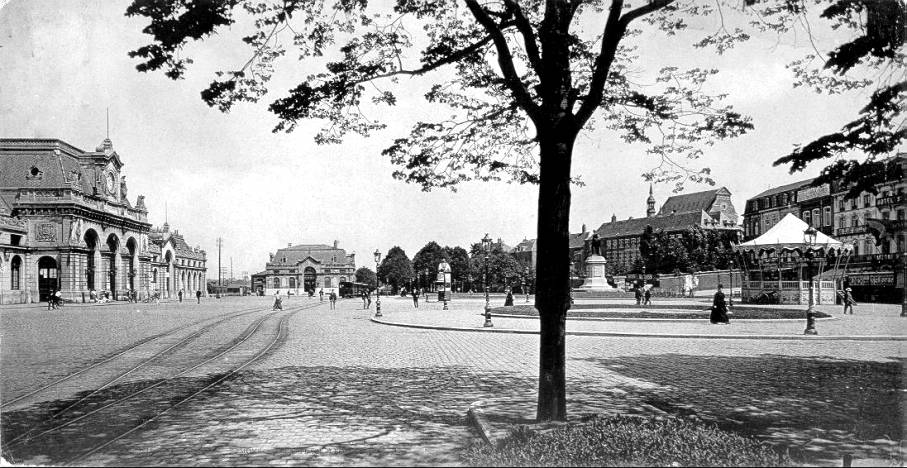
<point x="339" y="389"/>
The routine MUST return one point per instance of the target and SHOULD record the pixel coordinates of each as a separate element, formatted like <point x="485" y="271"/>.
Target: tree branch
<point x="505" y="60"/>
<point x="615" y="28"/>
<point x="525" y="28"/>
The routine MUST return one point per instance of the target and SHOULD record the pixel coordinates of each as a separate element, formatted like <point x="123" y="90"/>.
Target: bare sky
<point x="62" y="63"/>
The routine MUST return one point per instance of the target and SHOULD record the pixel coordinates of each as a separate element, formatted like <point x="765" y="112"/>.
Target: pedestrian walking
<point x="333" y="299"/>
<point x="719" y="308"/>
<point x="278" y="303"/>
<point x="508" y="300"/>
<point x="638" y="293"/>
<point x="51" y="299"/>
<point x="321" y="295"/>
<point x="198" y="296"/>
<point x="415" y="294"/>
<point x="180" y="295"/>
<point x="848" y="301"/>
<point x="648" y="296"/>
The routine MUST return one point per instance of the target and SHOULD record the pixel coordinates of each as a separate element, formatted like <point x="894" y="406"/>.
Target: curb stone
<point x="654" y="335"/>
<point x="476" y="419"/>
<point x="628" y="319"/>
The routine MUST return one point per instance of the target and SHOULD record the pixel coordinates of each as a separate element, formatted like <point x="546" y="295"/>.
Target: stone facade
<point x="306" y="267"/>
<point x="66" y="223"/>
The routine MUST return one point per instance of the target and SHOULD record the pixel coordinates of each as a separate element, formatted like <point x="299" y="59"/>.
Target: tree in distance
<point x="396" y="269"/>
<point x="517" y="81"/>
<point x="367" y="276"/>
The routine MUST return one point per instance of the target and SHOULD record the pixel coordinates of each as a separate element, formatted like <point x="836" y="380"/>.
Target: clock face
<point x="111" y="182"/>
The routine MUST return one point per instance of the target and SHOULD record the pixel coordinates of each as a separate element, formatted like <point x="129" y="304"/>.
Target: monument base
<point x="596" y="281"/>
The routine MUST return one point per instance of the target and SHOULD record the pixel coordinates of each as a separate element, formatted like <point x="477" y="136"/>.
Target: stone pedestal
<point x="596" y="269"/>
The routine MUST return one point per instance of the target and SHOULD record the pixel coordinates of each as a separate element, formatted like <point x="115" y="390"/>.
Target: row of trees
<point x="695" y="249"/>
<point x="467" y="268"/>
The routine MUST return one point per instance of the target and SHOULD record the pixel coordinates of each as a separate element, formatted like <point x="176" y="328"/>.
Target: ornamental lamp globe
<point x="809" y="236"/>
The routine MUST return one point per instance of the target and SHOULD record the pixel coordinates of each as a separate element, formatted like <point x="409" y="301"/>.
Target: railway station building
<point x="305" y="267"/>
<point x="66" y="223"/>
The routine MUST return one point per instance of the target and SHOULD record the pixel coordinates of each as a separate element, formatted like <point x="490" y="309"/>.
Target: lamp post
<point x="809" y="237"/>
<point x="904" y="291"/>
<point x="486" y="246"/>
<point x="730" y="301"/>
<point x="377" y="285"/>
<point x="526" y="283"/>
<point x="570" y="282"/>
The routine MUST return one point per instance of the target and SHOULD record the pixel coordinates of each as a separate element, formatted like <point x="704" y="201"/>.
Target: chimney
<point x="584" y="227"/>
<point x="613" y="218"/>
<point x="336" y="243"/>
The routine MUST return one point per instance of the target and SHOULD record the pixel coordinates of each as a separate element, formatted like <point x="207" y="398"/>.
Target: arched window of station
<point x="92" y="259"/>
<point x="292" y="283"/>
<point x="308" y="279"/>
<point x="113" y="247"/>
<point x="132" y="247"/>
<point x="168" y="261"/>
<point x="328" y="282"/>
<point x="276" y="282"/>
<point x="15" y="273"/>
<point x="47" y="277"/>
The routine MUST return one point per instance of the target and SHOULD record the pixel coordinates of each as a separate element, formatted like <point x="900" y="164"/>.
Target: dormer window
<point x="34" y="173"/>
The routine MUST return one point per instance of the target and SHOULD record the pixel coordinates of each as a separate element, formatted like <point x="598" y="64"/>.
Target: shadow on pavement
<point x="821" y="408"/>
<point x="301" y="415"/>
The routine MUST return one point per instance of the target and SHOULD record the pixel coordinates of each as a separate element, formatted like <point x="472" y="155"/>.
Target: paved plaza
<point x="336" y="388"/>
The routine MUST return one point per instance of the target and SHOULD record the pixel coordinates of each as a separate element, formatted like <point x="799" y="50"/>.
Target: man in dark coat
<point x="719" y="308"/>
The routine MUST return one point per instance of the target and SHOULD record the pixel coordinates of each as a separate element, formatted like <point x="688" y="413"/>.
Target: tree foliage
<point x="367" y="276"/>
<point x="694" y="249"/>
<point x="396" y="269"/>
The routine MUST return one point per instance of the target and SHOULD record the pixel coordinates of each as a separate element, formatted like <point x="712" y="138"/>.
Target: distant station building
<point x="305" y="267"/>
<point x="175" y="266"/>
<point x="66" y="224"/>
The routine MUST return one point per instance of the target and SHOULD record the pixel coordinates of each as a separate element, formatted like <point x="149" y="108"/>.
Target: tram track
<point x="123" y="351"/>
<point x="178" y="394"/>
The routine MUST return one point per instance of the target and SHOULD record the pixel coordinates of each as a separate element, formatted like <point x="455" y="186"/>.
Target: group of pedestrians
<point x="643" y="295"/>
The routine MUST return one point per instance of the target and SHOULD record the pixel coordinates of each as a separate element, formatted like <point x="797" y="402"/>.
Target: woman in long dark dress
<point x="719" y="308"/>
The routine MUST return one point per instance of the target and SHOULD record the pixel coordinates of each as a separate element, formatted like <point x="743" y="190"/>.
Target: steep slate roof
<point x="578" y="240"/>
<point x="690" y="202"/>
<point x="183" y="250"/>
<point x="635" y="227"/>
<point x="319" y="252"/>
<point x="783" y="188"/>
<point x="525" y="246"/>
<point x="61" y="164"/>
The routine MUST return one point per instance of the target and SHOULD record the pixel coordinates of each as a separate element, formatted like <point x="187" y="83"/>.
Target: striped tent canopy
<point x="787" y="236"/>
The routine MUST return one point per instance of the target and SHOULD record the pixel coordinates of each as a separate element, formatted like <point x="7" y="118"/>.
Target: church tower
<point x="650" y="202"/>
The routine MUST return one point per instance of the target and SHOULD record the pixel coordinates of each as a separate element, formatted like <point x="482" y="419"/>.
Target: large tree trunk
<point x="552" y="293"/>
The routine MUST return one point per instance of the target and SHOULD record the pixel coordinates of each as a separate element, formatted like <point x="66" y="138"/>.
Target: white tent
<point x="788" y="235"/>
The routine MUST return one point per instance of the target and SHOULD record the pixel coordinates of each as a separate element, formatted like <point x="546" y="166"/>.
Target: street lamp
<point x="904" y="295"/>
<point x="486" y="246"/>
<point x="730" y="301"/>
<point x="526" y="282"/>
<point x="377" y="285"/>
<point x="570" y="281"/>
<point x="809" y="238"/>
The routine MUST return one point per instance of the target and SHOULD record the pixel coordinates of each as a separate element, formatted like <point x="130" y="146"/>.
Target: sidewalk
<point x="873" y="322"/>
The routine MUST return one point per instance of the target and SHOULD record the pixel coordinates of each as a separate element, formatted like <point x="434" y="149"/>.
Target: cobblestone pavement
<point x="342" y="390"/>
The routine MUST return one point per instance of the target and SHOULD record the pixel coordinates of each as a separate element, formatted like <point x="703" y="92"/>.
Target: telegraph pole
<point x="220" y="244"/>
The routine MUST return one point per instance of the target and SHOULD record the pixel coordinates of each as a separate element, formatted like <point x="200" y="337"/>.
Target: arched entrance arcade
<point x="92" y="260"/>
<point x="48" y="277"/>
<point x="113" y="263"/>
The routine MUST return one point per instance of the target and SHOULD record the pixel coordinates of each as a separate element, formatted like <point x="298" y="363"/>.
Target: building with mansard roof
<point x="306" y="267"/>
<point x="710" y="209"/>
<point x="66" y="223"/>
